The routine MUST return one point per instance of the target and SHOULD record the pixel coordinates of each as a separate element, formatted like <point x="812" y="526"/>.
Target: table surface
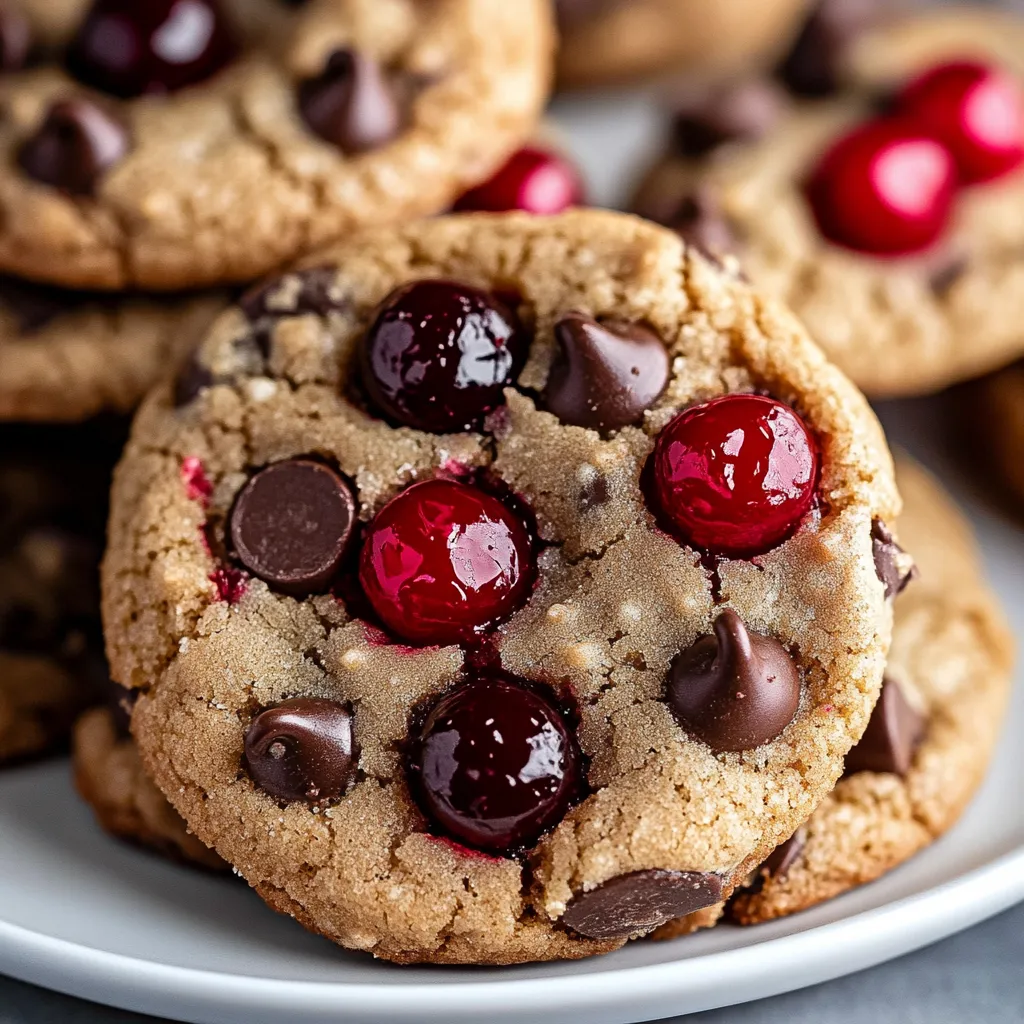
<point x="976" y="977"/>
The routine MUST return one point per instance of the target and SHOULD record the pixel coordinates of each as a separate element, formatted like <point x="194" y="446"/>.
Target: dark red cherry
<point x="735" y="476"/>
<point x="976" y="110"/>
<point x="132" y="47"/>
<point x="887" y="188"/>
<point x="534" y="180"/>
<point x="443" y="561"/>
<point x="439" y="355"/>
<point x="495" y="765"/>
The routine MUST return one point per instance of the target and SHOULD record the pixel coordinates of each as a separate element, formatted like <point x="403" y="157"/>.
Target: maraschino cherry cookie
<point x="66" y="356"/>
<point x="887" y="214"/>
<point x="501" y="587"/>
<point x="164" y="145"/>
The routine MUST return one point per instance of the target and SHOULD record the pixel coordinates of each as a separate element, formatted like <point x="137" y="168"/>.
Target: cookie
<point x="932" y="734"/>
<point x="66" y="356"/>
<point x="53" y="499"/>
<point x="910" y="279"/>
<point x="222" y="139"/>
<point x="423" y="569"/>
<point x="110" y="778"/>
<point x="609" y="41"/>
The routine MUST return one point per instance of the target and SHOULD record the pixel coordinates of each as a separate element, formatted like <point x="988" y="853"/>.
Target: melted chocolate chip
<point x="887" y="560"/>
<point x="742" y="112"/>
<point x="639" y="902"/>
<point x="605" y="375"/>
<point x="297" y="293"/>
<point x="292" y="524"/>
<point x="15" y="38"/>
<point x="699" y="220"/>
<point x="735" y="690"/>
<point x="303" y="749"/>
<point x="192" y="380"/>
<point x="781" y="860"/>
<point x="351" y="104"/>
<point x="75" y="145"/>
<point x="894" y="733"/>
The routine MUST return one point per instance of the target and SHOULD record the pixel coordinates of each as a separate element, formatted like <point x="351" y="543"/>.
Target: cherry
<point x="444" y="561"/>
<point x="534" y="180"/>
<point x="886" y="188"/>
<point x="129" y="47"/>
<point x="439" y="355"/>
<point x="495" y="765"/>
<point x="976" y="110"/>
<point x="735" y="476"/>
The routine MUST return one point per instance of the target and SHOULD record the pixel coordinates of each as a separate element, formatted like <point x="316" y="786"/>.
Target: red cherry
<point x="495" y="765"/>
<point x="534" y="180"/>
<point x="977" y="111"/>
<point x="886" y="188"/>
<point x="444" y="561"/>
<point x="735" y="476"/>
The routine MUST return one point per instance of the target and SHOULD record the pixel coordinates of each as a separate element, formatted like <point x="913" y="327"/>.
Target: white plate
<point x="85" y="915"/>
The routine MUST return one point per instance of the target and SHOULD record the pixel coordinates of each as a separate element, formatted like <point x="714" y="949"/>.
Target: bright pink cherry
<point x="887" y="188"/>
<point x="444" y="561"/>
<point x="534" y="180"/>
<point x="976" y="110"/>
<point x="736" y="475"/>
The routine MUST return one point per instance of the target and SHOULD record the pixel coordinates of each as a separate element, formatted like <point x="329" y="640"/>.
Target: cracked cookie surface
<point x="224" y="179"/>
<point x="662" y="820"/>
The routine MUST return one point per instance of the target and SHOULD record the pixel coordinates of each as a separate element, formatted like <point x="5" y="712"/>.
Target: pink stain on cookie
<point x="376" y="637"/>
<point x="230" y="584"/>
<point x="197" y="484"/>
<point x="465" y="851"/>
<point x="455" y="468"/>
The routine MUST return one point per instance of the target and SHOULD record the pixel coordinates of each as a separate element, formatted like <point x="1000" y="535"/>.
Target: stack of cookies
<point x="493" y="587"/>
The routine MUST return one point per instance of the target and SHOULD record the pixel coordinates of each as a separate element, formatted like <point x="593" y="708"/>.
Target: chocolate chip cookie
<point x="501" y="587"/>
<point x="881" y="201"/>
<point x="66" y="356"/>
<point x="53" y="499"/>
<point x="172" y="145"/>
<point x="605" y="41"/>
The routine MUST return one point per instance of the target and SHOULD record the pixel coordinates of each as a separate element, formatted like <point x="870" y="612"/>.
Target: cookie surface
<point x="944" y="305"/>
<point x="290" y="126"/>
<point x="951" y="660"/>
<point x="262" y="657"/>
<point x="606" y="41"/>
<point x="110" y="778"/>
<point x="67" y="356"/>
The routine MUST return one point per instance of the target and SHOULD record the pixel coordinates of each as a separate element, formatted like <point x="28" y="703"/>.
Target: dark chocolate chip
<point x="35" y="305"/>
<point x="292" y="524"/>
<point x="192" y="380"/>
<point x="605" y="375"/>
<point x="893" y="734"/>
<point x="303" y="749"/>
<point x="351" y="104"/>
<point x="740" y="112"/>
<point x="699" y="220"/>
<point x="75" y="145"/>
<point x="639" y="902"/>
<point x="294" y="294"/>
<point x="813" y="67"/>
<point x="781" y="860"/>
<point x="15" y="37"/>
<point x="887" y="560"/>
<point x="735" y="690"/>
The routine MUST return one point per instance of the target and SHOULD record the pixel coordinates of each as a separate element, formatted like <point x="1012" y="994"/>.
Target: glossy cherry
<point x="443" y="561"/>
<point x="887" y="188"/>
<point x="132" y="47"/>
<point x="534" y="180"/>
<point x="495" y="765"/>
<point x="735" y="476"/>
<point x="439" y="356"/>
<point x="976" y="110"/>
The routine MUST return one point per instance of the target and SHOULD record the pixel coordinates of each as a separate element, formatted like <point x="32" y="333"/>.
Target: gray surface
<point x="976" y="977"/>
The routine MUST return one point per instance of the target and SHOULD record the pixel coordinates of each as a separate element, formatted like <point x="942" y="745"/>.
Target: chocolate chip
<point x="77" y="142"/>
<point x="814" y="64"/>
<point x="303" y="749"/>
<point x="890" y="560"/>
<point x="894" y="733"/>
<point x="192" y="380"/>
<point x="35" y="305"/>
<point x="292" y="523"/>
<point x="781" y="860"/>
<point x="293" y="294"/>
<point x="605" y="375"/>
<point x="944" y="276"/>
<point x="740" y="112"/>
<point x="351" y="104"/>
<point x="699" y="220"/>
<point x="639" y="902"/>
<point x="734" y="690"/>
<point x="15" y="38"/>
